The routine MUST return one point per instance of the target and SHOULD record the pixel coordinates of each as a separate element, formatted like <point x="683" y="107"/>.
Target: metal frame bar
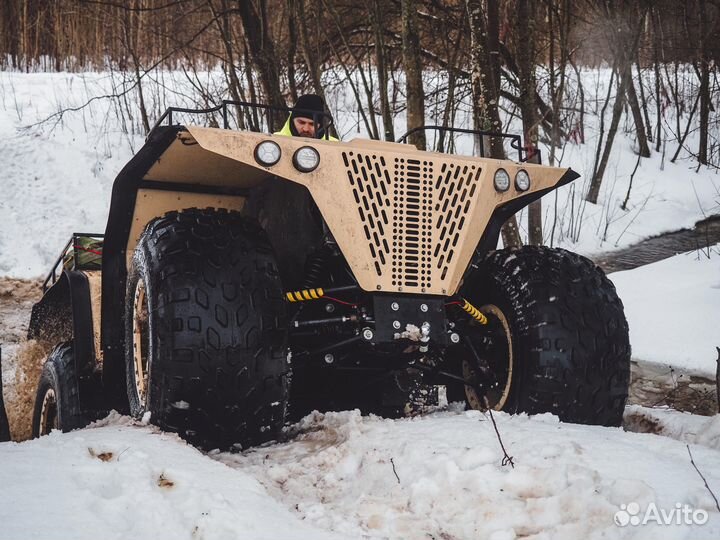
<point x="53" y="276"/>
<point x="322" y="120"/>
<point x="515" y="140"/>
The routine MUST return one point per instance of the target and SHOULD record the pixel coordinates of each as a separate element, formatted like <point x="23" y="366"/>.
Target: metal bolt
<point x="423" y="308"/>
<point x="329" y="358"/>
<point x="367" y="334"/>
<point x="396" y="325"/>
<point x="455" y="338"/>
<point x="329" y="308"/>
<point x="394" y="306"/>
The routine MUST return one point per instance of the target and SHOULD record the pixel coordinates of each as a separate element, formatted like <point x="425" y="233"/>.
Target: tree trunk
<point x="485" y="101"/>
<point x="526" y="70"/>
<point x="380" y="66"/>
<point x="704" y="83"/>
<point x="596" y="182"/>
<point x="262" y="54"/>
<point x="625" y="42"/>
<point x="223" y="25"/>
<point x="292" y="49"/>
<point x="657" y="45"/>
<point x="643" y="102"/>
<point x="413" y="74"/>
<point x="311" y="60"/>
<point x="643" y="148"/>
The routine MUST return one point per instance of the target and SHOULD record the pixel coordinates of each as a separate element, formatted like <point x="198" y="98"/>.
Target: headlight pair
<point x="305" y="159"/>
<point x="502" y="180"/>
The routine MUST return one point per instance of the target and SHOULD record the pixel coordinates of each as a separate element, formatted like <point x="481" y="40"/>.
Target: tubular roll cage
<point x="325" y="121"/>
<point x="322" y="120"/>
<point x="524" y="152"/>
<point x="73" y="242"/>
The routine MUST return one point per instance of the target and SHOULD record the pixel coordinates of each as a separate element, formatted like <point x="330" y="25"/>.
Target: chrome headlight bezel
<point x="522" y="180"/>
<point x="501" y="180"/>
<point x="306" y="159"/>
<point x="267" y="153"/>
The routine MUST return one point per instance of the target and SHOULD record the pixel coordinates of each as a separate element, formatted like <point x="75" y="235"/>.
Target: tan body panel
<point x="94" y="278"/>
<point x="406" y="220"/>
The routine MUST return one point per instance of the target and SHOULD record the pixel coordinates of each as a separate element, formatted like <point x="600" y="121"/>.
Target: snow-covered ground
<point x="673" y="310"/>
<point x="346" y="476"/>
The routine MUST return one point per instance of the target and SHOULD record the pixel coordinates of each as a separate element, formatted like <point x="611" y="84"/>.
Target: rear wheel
<point x="556" y="339"/>
<point x="57" y="403"/>
<point x="205" y="330"/>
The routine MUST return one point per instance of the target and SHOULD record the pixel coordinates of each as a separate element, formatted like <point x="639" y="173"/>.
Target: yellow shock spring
<point x="304" y="295"/>
<point x="474" y="312"/>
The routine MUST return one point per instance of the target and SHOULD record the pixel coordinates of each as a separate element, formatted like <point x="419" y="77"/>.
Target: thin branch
<point x="394" y="471"/>
<point x="507" y="458"/>
<point x="717" y="505"/>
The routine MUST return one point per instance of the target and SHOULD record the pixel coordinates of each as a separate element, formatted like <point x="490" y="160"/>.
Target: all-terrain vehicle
<point x="244" y="278"/>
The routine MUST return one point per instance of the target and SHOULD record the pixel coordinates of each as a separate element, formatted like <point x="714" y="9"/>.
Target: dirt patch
<point x="657" y="385"/>
<point x="21" y="360"/>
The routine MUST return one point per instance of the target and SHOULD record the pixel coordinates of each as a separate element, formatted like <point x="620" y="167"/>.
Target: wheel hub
<point x="495" y="368"/>
<point x="140" y="342"/>
<point x="48" y="413"/>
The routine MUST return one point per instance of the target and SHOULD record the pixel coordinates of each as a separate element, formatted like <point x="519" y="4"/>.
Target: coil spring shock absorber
<point x="316" y="266"/>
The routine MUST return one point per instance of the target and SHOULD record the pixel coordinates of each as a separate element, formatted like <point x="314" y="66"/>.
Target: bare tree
<point x="376" y="16"/>
<point x="624" y="37"/>
<point x="261" y="48"/>
<point x="413" y="73"/>
<point x="485" y="95"/>
<point x="525" y="24"/>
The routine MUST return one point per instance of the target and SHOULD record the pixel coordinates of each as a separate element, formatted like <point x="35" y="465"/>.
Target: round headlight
<point x="306" y="159"/>
<point x="522" y="180"/>
<point x="267" y="153"/>
<point x="502" y="180"/>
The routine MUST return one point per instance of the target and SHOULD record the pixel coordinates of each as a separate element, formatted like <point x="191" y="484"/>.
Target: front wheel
<point x="206" y="331"/>
<point x="556" y="339"/>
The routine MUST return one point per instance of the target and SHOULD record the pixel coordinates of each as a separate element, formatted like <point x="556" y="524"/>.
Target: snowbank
<point x="673" y="309"/>
<point x="120" y="481"/>
<point x="347" y="476"/>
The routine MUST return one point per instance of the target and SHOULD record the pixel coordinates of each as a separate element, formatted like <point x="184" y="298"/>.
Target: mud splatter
<point x="22" y="360"/>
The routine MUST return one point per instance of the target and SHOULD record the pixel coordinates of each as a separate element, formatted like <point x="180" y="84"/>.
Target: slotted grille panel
<point x="455" y="188"/>
<point x="412" y="215"/>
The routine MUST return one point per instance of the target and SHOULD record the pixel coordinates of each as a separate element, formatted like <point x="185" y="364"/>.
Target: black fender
<point x="122" y="207"/>
<point x="489" y="240"/>
<point x="64" y="313"/>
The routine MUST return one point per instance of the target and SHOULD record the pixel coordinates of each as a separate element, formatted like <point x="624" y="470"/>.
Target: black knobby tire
<point x="215" y="338"/>
<point x="569" y="335"/>
<point x="57" y="402"/>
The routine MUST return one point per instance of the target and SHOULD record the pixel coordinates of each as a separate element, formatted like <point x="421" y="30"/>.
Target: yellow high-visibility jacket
<point x="286" y="132"/>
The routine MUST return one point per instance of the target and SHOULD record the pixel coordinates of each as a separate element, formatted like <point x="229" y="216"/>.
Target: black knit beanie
<point x="309" y="103"/>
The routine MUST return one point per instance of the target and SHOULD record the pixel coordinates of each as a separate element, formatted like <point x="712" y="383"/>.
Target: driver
<point x="301" y="123"/>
